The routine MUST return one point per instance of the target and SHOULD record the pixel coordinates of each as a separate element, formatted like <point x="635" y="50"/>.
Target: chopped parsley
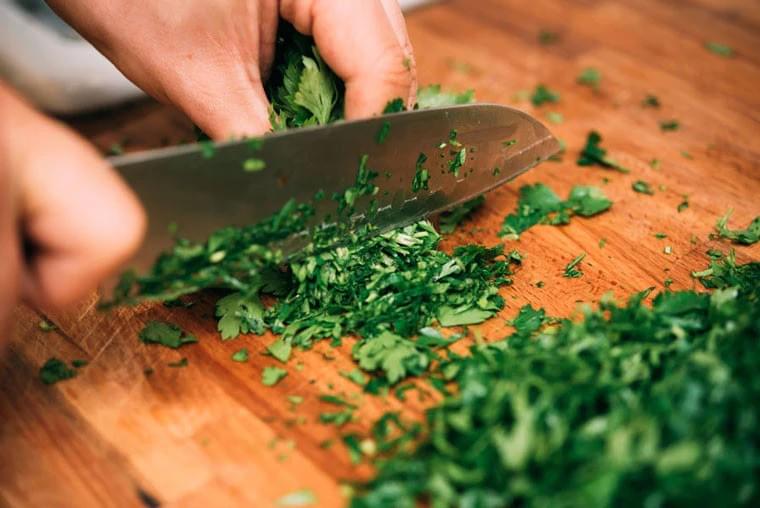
<point x="746" y="236"/>
<point x="590" y="77"/>
<point x="650" y="101"/>
<point x="593" y="154"/>
<point x="432" y="96"/>
<point x="547" y="37"/>
<point x="165" y="334"/>
<point x="303" y="497"/>
<point x="456" y="163"/>
<point x="555" y="117"/>
<point x="421" y="175"/>
<point x="684" y="204"/>
<point x="637" y="396"/>
<point x="394" y="106"/>
<point x="270" y="376"/>
<point x="669" y="125"/>
<point x="382" y="134"/>
<point x="54" y="370"/>
<point x="241" y="355"/>
<point x="642" y="187"/>
<point x="719" y="49"/>
<point x="254" y="165"/>
<point x="572" y="270"/>
<point x="543" y="95"/>
<point x="179" y="364"/>
<point x="46" y="326"/>
<point x="538" y="204"/>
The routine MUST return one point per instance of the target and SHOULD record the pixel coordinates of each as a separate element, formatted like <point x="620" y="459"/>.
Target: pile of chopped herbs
<point x="630" y="405"/>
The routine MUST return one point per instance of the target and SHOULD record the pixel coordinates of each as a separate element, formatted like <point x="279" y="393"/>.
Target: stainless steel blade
<point x="200" y="194"/>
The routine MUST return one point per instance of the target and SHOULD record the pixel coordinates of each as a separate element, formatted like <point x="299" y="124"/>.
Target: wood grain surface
<point x="212" y="435"/>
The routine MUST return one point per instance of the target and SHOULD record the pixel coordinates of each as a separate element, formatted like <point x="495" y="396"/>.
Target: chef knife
<point x="201" y="188"/>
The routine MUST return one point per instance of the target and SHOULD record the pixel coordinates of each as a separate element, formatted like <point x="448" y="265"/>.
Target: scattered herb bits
<point x="179" y="364"/>
<point x="55" y="370"/>
<point x="46" y="326"/>
<point x="669" y="125"/>
<point x="543" y="95"/>
<point x="719" y="49"/>
<point x="270" y="376"/>
<point x="593" y="154"/>
<point x="684" y="204"/>
<point x="241" y="355"/>
<point x="642" y="187"/>
<point x="254" y="165"/>
<point x="572" y="269"/>
<point x="555" y="117"/>
<point x="590" y="77"/>
<point x="165" y="334"/>
<point x="547" y="37"/>
<point x="538" y="204"/>
<point x="746" y="236"/>
<point x="650" y="101"/>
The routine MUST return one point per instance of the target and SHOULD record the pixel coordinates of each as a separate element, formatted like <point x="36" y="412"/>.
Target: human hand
<point x="66" y="220"/>
<point x="210" y="57"/>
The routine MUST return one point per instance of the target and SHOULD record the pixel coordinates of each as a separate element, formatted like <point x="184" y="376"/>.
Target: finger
<point x="396" y="18"/>
<point x="268" y="20"/>
<point x="357" y="40"/>
<point x="81" y="220"/>
<point x="9" y="251"/>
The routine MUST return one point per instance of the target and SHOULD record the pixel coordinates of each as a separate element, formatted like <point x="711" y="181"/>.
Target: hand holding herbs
<point x="212" y="61"/>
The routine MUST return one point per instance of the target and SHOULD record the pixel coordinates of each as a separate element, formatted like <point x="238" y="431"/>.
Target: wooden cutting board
<point x="212" y="435"/>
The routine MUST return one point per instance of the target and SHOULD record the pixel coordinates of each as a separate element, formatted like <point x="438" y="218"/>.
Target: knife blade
<point x="186" y="187"/>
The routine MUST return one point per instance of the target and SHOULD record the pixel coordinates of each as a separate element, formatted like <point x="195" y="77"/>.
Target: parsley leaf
<point x="669" y="125"/>
<point x="270" y="376"/>
<point x="241" y="355"/>
<point x="594" y="154"/>
<point x="590" y="77"/>
<point x="165" y="334"/>
<point x="239" y="314"/>
<point x="54" y="370"/>
<point x="542" y="95"/>
<point x="650" y="101"/>
<point x="719" y="49"/>
<point x="421" y="175"/>
<point x="432" y="96"/>
<point x="642" y="187"/>
<point x="538" y="204"/>
<point x="571" y="270"/>
<point x="746" y="236"/>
